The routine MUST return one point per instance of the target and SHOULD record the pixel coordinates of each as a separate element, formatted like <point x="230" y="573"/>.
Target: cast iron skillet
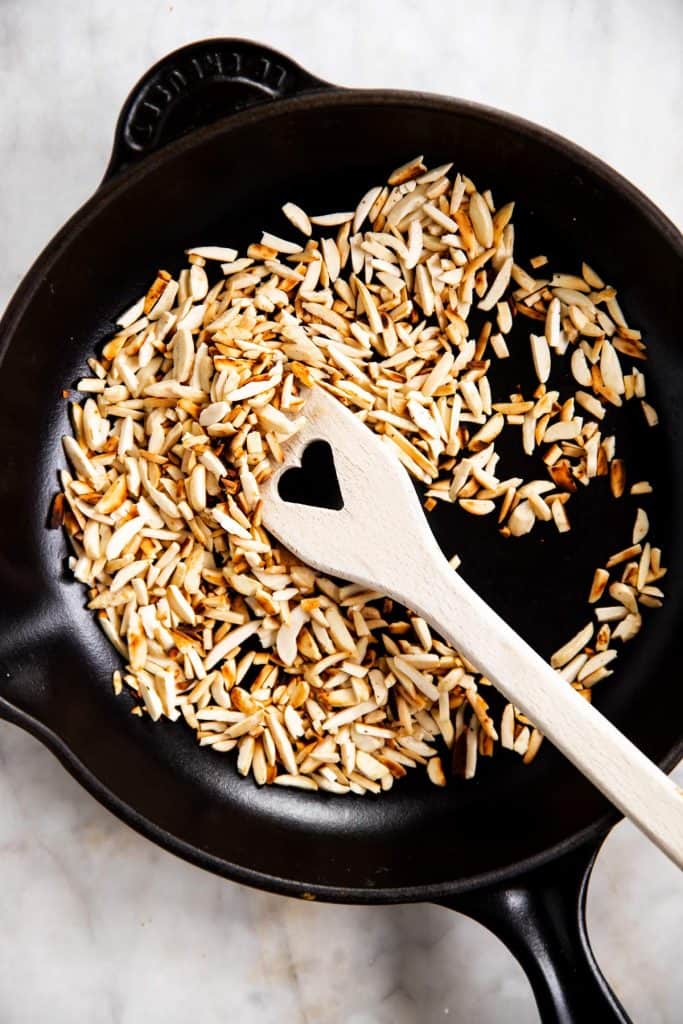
<point x="209" y="144"/>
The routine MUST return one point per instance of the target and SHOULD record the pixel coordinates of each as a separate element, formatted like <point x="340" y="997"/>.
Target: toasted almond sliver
<point x="617" y="477"/>
<point x="435" y="771"/>
<point x="623" y="556"/>
<point x="535" y="741"/>
<point x="598" y="661"/>
<point x="572" y="647"/>
<point x="406" y="171"/>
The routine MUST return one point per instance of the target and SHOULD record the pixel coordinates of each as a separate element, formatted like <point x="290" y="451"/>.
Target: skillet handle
<point x="541" y="918"/>
<point x="197" y="85"/>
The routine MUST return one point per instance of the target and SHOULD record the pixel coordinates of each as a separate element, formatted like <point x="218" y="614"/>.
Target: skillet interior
<point x="222" y="186"/>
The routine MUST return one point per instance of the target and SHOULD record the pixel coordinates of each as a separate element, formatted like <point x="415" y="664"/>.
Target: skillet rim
<point x="108" y="192"/>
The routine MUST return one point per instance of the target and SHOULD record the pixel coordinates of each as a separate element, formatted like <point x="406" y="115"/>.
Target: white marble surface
<point x="96" y="924"/>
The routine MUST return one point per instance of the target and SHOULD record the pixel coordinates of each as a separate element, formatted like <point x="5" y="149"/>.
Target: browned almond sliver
<point x="617" y="477"/>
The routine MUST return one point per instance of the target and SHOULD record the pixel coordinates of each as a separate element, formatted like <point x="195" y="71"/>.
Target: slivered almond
<point x="297" y="217"/>
<point x="521" y="520"/>
<point x="572" y="647"/>
<point x="617" y="477"/>
<point x="541" y="356"/>
<point x="651" y="417"/>
<point x="598" y="661"/>
<point x="641" y="526"/>
<point x="580" y="369"/>
<point x="482" y="223"/>
<point x="623" y="556"/>
<point x="407" y="171"/>
<point x="477" y="507"/>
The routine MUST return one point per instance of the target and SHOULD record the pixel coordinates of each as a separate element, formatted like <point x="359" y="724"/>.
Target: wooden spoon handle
<point x="604" y="755"/>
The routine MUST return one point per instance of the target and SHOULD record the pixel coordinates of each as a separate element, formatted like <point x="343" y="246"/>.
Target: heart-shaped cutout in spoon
<point x="315" y="481"/>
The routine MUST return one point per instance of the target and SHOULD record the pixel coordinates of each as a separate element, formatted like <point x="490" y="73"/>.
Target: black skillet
<point x="209" y="145"/>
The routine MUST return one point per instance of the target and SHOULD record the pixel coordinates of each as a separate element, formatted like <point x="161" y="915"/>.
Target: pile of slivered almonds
<point x="316" y="684"/>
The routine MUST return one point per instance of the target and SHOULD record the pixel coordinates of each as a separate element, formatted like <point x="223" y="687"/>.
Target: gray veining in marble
<point x="96" y="924"/>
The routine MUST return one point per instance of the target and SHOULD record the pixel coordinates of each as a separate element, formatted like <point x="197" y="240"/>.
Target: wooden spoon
<point x="381" y="539"/>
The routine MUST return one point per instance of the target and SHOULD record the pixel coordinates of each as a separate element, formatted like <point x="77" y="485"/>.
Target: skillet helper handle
<point x="541" y="918"/>
<point x="615" y="766"/>
<point x="197" y="85"/>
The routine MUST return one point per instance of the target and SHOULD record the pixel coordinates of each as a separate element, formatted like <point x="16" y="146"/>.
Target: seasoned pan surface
<point x="222" y="185"/>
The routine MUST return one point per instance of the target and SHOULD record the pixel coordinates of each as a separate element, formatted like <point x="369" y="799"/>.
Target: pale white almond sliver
<point x="123" y="536"/>
<point x="330" y="220"/>
<point x="213" y="252"/>
<point x="296" y="216"/>
<point x="480" y="215"/>
<point x="132" y="314"/>
<point x="331" y="257"/>
<point x="580" y="368"/>
<point x="596" y="662"/>
<point x="199" y="283"/>
<point x="497" y="289"/>
<point x="552" y="322"/>
<point x="233" y="639"/>
<point x="522" y="519"/>
<point x="229" y="524"/>
<point x="540" y="353"/>
<point x="364" y="207"/>
<point x="572" y="647"/>
<point x="641" y="526"/>
<point x="81" y="463"/>
<point x="610" y="368"/>
<point x="279" y="244"/>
